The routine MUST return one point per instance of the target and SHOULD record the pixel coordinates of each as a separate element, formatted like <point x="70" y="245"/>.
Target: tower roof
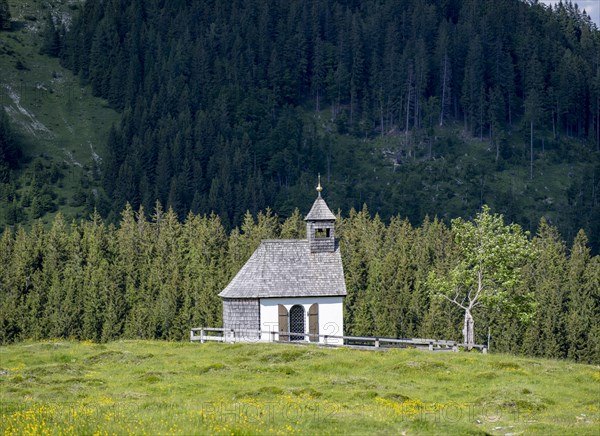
<point x="320" y="211"/>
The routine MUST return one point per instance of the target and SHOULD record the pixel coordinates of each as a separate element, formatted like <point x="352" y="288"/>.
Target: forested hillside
<point x="158" y="278"/>
<point x="52" y="130"/>
<point x="417" y="108"/>
<point x="234" y="106"/>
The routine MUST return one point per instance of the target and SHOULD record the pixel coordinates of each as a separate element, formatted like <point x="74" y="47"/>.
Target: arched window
<point x="297" y="322"/>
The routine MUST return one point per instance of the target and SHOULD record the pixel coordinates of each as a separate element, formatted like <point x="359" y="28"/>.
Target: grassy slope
<point x="61" y="122"/>
<point x="545" y="194"/>
<point x="180" y="388"/>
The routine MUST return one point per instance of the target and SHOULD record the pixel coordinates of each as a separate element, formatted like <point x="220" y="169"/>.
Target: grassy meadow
<point x="151" y="387"/>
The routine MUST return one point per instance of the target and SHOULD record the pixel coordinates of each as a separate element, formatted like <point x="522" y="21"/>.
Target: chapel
<point x="290" y="289"/>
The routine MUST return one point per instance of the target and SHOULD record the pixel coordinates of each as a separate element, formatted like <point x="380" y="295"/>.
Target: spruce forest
<point x="413" y="107"/>
<point x="156" y="278"/>
<point x="415" y="112"/>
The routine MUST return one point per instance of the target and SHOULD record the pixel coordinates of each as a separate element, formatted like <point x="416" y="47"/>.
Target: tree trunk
<point x="444" y="83"/>
<point x="408" y="99"/>
<point x="497" y="148"/>
<point x="531" y="151"/>
<point x="468" y="330"/>
<point x="597" y="123"/>
<point x="381" y="116"/>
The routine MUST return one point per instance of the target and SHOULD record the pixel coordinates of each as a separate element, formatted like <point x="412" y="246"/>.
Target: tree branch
<point x="453" y="301"/>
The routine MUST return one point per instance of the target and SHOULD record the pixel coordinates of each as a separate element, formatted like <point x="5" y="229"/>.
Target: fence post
<point x="202" y="335"/>
<point x="431" y="346"/>
<point x="376" y="342"/>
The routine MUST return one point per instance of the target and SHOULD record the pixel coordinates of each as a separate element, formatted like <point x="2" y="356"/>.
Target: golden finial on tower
<point x="319" y="187"/>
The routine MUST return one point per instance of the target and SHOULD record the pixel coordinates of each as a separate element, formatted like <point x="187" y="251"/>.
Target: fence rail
<point x="203" y="334"/>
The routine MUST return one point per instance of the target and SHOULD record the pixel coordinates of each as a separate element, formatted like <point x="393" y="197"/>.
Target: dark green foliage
<point x="51" y="37"/>
<point x="218" y="98"/>
<point x="4" y="15"/>
<point x="158" y="278"/>
<point x="10" y="151"/>
<point x="10" y="157"/>
<point x="583" y="285"/>
<point x="545" y="335"/>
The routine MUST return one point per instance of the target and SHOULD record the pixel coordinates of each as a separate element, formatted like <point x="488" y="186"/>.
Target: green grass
<point x="59" y="121"/>
<point x="150" y="387"/>
<point x="470" y="171"/>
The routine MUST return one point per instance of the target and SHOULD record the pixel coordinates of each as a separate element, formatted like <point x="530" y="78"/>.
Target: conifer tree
<point x="114" y="309"/>
<point x="4" y="15"/>
<point x="70" y="319"/>
<point x="293" y="227"/>
<point x="9" y="306"/>
<point x="137" y="237"/>
<point x="166" y="272"/>
<point x="205" y="273"/>
<point x="127" y="262"/>
<point x="472" y="98"/>
<point x="391" y="281"/>
<point x="359" y="244"/>
<point x="30" y="280"/>
<point x="51" y="43"/>
<point x="582" y="286"/>
<point x="545" y="336"/>
<point x="55" y="259"/>
<point x="592" y="277"/>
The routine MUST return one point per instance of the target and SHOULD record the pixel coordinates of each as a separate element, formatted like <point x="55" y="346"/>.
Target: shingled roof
<point x="320" y="211"/>
<point x="287" y="268"/>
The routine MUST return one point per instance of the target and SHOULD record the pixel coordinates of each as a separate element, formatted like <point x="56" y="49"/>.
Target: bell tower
<point x="320" y="225"/>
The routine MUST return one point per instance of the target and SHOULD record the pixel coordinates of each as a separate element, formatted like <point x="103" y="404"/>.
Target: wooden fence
<point x="203" y="334"/>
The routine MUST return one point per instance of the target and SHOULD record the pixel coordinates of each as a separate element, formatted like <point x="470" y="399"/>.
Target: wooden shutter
<point x="283" y="323"/>
<point x="313" y="322"/>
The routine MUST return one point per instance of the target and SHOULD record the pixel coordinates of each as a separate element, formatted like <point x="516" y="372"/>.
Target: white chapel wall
<point x="331" y="315"/>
